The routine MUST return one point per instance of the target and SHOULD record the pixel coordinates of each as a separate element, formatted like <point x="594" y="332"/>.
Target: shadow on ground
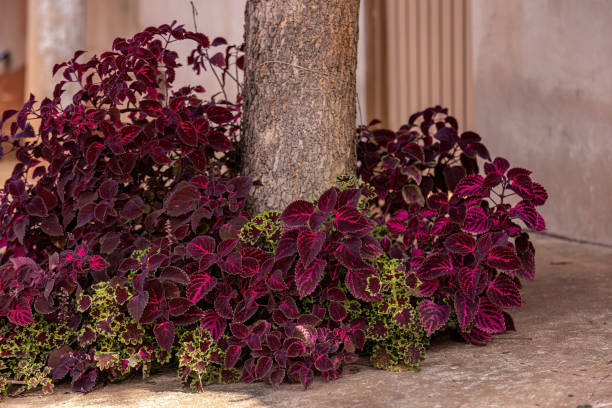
<point x="560" y="356"/>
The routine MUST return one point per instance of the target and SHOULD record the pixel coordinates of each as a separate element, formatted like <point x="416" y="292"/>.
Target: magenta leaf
<point x="164" y="334"/>
<point x="137" y="304"/>
<point x="21" y="313"/>
<point x="357" y="283"/>
<point x="460" y="243"/>
<point x="307" y="279"/>
<point x="471" y="185"/>
<point x="432" y="315"/>
<point x="351" y="220"/>
<point x="466" y="309"/>
<point x="323" y="363"/>
<point x="476" y="220"/>
<point x="503" y="292"/>
<point x="277" y="376"/>
<point x="476" y="336"/>
<point x="200" y="285"/>
<point x="328" y="200"/>
<point x="337" y="311"/>
<point x="232" y="354"/>
<point x="489" y="317"/>
<point x="539" y="194"/>
<point x="468" y="279"/>
<point x="504" y="258"/>
<point x="200" y="246"/>
<point x="183" y="199"/>
<point x="178" y="306"/>
<point x="213" y="323"/>
<point x="297" y="213"/>
<point x="348" y="258"/>
<point x="287" y="244"/>
<point x="309" y="244"/>
<point x="435" y="266"/>
<point x="263" y="366"/>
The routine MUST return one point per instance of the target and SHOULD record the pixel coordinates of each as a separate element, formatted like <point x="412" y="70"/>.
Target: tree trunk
<point x="299" y="106"/>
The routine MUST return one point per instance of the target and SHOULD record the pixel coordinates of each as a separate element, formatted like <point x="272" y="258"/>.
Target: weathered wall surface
<point x="543" y="99"/>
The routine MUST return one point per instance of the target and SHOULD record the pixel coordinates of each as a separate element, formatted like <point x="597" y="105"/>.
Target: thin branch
<point x="194" y="13"/>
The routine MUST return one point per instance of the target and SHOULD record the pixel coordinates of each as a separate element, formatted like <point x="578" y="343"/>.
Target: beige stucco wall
<point x="543" y="99"/>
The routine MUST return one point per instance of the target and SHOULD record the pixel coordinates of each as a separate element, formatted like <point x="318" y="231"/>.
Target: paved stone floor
<point x="560" y="356"/>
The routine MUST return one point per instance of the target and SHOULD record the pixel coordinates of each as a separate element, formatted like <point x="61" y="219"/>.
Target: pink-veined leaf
<point x="309" y="244"/>
<point x="164" y="334"/>
<point x="503" y="292"/>
<point x="178" y="306"/>
<point x="307" y="279"/>
<point x="460" y="243"/>
<point x="328" y="200"/>
<point x="539" y="194"/>
<point x="276" y="281"/>
<point x="200" y="285"/>
<point x="297" y="213"/>
<point x="213" y="323"/>
<point x="476" y="220"/>
<point x="200" y="246"/>
<point x="433" y="316"/>
<point x="504" y="258"/>
<point x="466" y="309"/>
<point x="263" y="366"/>
<point x="357" y="283"/>
<point x="21" y="313"/>
<point x="489" y="317"/>
<point x="350" y="220"/>
<point x="468" y="279"/>
<point x="231" y="355"/>
<point x="435" y="266"/>
<point x="471" y="185"/>
<point x="476" y="336"/>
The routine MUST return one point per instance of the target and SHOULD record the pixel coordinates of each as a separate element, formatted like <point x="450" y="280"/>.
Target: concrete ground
<point x="560" y="356"/>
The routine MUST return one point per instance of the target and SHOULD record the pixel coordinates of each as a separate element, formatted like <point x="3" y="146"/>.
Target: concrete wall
<point x="543" y="99"/>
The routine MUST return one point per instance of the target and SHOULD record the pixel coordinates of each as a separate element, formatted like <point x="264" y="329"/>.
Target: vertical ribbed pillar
<point x="55" y="30"/>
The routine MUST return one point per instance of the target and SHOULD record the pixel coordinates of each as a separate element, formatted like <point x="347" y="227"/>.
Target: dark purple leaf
<point x="350" y="220"/>
<point x="504" y="258"/>
<point x="287" y="244"/>
<point x="309" y="244"/>
<point x="200" y="246"/>
<point x="137" y="304"/>
<point x="476" y="220"/>
<point x="164" y="334"/>
<point x="327" y="201"/>
<point x="460" y="243"/>
<point x="264" y="364"/>
<point x="178" y="306"/>
<point x="297" y="213"/>
<point x="213" y="323"/>
<point x="337" y="311"/>
<point x="503" y="292"/>
<point x="232" y="354"/>
<point x="357" y="282"/>
<point x="466" y="309"/>
<point x="432" y="315"/>
<point x="183" y="199"/>
<point x="489" y="317"/>
<point x="435" y="266"/>
<point x="200" y="285"/>
<point x="307" y="279"/>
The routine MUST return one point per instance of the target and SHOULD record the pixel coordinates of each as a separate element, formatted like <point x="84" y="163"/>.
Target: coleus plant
<point x="124" y="222"/>
<point x="454" y="228"/>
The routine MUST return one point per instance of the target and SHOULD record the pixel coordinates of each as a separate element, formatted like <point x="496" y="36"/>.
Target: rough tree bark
<point x="299" y="112"/>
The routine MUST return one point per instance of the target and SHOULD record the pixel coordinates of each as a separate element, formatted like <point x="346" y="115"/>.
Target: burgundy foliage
<point x="135" y="183"/>
<point x="458" y="230"/>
